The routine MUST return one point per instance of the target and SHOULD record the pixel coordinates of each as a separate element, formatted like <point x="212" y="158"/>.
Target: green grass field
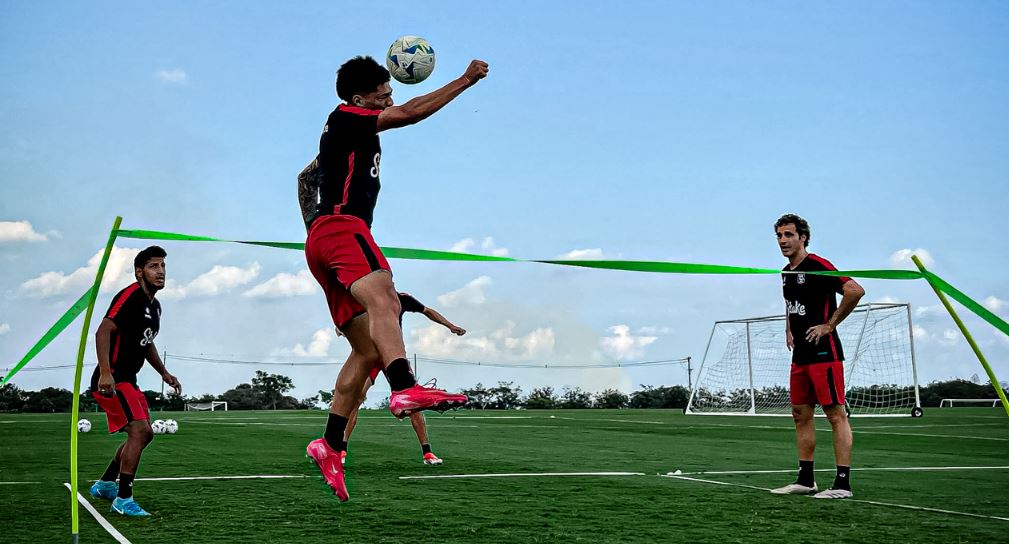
<point x="636" y="508"/>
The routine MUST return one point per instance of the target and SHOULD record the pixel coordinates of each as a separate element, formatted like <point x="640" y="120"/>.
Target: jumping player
<point x="407" y="304"/>
<point x="124" y="340"/>
<point x="817" y="374"/>
<point x="344" y="257"/>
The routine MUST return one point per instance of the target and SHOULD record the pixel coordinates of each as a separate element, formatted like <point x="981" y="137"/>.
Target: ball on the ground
<point x="83" y="426"/>
<point x="677" y="471"/>
<point x="171" y="426"/>
<point x="158" y="426"/>
<point x="410" y="59"/>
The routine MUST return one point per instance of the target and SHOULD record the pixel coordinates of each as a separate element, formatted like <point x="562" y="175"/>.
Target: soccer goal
<point x="211" y="406"/>
<point x="984" y="403"/>
<point x="745" y="370"/>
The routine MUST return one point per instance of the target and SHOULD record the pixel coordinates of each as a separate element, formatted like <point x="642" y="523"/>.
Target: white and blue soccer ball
<point x="158" y="426"/>
<point x="83" y="426"/>
<point x="410" y="59"/>
<point x="171" y="426"/>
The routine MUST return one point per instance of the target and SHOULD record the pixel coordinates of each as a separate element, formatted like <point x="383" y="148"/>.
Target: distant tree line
<point x="268" y="392"/>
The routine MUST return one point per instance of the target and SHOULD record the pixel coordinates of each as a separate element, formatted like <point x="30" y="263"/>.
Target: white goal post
<point x="950" y="403"/>
<point x="745" y="370"/>
<point x="212" y="406"/>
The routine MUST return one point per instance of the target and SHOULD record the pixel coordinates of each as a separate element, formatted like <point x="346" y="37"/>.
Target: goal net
<point x="212" y="406"/>
<point x="746" y="365"/>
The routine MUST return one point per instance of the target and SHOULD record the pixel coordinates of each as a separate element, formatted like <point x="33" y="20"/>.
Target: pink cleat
<point x="431" y="459"/>
<point x="329" y="462"/>
<point x="417" y="398"/>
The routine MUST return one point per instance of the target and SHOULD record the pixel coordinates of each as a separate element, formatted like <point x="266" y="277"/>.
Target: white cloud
<point x="19" y="231"/>
<point x="623" y="345"/>
<point x="318" y="346"/>
<point x="468" y="245"/>
<point x="5" y="328"/>
<point x="118" y="274"/>
<point x="174" y="76"/>
<point x="919" y="332"/>
<point x="902" y="258"/>
<point x="994" y="303"/>
<point x="471" y="293"/>
<point x="887" y="299"/>
<point x="216" y="281"/>
<point x="583" y="254"/>
<point x="653" y="330"/>
<point x="503" y="343"/>
<point x="285" y="285"/>
<point x="950" y="337"/>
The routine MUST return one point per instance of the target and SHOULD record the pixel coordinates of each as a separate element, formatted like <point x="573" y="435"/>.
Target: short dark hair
<point x="359" y="75"/>
<point x="801" y="226"/>
<point x="147" y="254"/>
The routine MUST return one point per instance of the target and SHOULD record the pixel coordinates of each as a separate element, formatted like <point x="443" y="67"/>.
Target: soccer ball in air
<point x="171" y="426"/>
<point x="83" y="426"/>
<point x="158" y="426"/>
<point x="410" y="59"/>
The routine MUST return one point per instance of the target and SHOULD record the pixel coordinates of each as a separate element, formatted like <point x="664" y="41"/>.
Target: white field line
<point x="856" y="469"/>
<point x="521" y="474"/>
<point x="862" y="501"/>
<point x="248" y="477"/>
<point x="959" y="437"/>
<point x="99" y="518"/>
<point x="855" y="430"/>
<point x="18" y="483"/>
<point x="614" y="420"/>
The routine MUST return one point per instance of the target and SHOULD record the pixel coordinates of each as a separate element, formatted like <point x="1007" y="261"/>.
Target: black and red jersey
<point x="138" y="320"/>
<point x="349" y="155"/>
<point x="407" y="303"/>
<point x="810" y="300"/>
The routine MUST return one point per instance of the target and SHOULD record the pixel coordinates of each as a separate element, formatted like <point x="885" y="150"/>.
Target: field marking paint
<point x="615" y="420"/>
<point x="856" y="469"/>
<point x="863" y="501"/>
<point x="18" y="483"/>
<point x="520" y="474"/>
<point x="964" y="437"/>
<point x="99" y="518"/>
<point x="859" y="431"/>
<point x="248" y="477"/>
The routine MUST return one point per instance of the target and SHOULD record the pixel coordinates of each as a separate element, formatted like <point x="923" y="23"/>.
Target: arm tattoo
<point x="309" y="181"/>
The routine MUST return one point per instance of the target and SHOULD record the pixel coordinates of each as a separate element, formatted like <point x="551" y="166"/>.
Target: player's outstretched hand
<point x="476" y="71"/>
<point x="458" y="331"/>
<point x="173" y="382"/>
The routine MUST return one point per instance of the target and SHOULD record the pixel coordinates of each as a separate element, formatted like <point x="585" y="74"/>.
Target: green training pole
<point x="970" y="339"/>
<point x="75" y="411"/>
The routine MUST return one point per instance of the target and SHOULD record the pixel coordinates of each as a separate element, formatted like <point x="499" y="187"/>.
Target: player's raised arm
<point x="422" y="107"/>
<point x="436" y="316"/>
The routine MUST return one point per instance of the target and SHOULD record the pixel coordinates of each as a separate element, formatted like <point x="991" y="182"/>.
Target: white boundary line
<point x="857" y="469"/>
<point x="876" y="503"/>
<point x="249" y="477"/>
<point x="521" y="474"/>
<point x="99" y="518"/>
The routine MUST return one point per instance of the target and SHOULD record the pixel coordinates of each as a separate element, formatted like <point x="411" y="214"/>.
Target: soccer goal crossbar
<point x="745" y="370"/>
<point x="950" y="403"/>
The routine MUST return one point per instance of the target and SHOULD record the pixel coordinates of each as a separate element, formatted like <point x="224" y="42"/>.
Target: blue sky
<point x="660" y="131"/>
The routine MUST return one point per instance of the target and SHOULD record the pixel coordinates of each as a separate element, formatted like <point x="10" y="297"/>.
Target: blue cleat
<point x="128" y="507"/>
<point x="105" y="490"/>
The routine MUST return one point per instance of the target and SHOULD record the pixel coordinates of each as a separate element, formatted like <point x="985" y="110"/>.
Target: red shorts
<point x="128" y="404"/>
<point x="818" y="383"/>
<point x="375" y="370"/>
<point x="340" y="251"/>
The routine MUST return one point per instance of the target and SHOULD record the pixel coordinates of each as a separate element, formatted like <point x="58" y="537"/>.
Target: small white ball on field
<point x="83" y="426"/>
<point x="552" y="417"/>
<point x="678" y="471"/>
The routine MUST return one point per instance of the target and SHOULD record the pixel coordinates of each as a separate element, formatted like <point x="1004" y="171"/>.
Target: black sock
<point x="335" y="427"/>
<point x="843" y="478"/>
<point x="125" y="485"/>
<point x="805" y="473"/>
<point x="426" y="448"/>
<point x="111" y="472"/>
<point x="399" y="375"/>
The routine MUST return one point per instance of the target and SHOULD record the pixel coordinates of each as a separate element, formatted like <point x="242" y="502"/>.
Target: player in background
<point x="346" y="261"/>
<point x="817" y="372"/>
<point x="125" y="338"/>
<point x="407" y="304"/>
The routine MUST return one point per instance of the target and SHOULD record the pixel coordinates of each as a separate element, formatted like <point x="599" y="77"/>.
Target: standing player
<point x="124" y="340"/>
<point x="344" y="257"/>
<point x="407" y="304"/>
<point x="817" y="375"/>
